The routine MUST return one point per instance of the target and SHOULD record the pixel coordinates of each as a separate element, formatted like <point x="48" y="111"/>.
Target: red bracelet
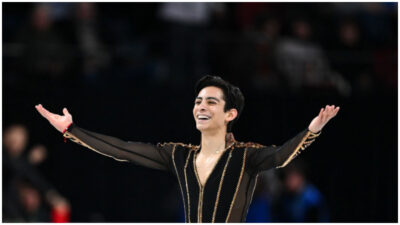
<point x="65" y="130"/>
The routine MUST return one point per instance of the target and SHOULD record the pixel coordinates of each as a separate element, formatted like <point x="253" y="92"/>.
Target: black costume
<point x="228" y="191"/>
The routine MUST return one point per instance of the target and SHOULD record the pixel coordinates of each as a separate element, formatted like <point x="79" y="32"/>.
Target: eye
<point x="212" y="102"/>
<point x="197" y="102"/>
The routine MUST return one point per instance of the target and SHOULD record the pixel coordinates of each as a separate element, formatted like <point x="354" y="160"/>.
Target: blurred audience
<point x="300" y="201"/>
<point x="266" y="37"/>
<point x="93" y="54"/>
<point x="187" y="27"/>
<point x="44" y="56"/>
<point x="27" y="195"/>
<point x="351" y="57"/>
<point x="303" y="63"/>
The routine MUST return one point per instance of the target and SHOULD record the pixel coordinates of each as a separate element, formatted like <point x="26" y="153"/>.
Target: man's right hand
<point x="58" y="121"/>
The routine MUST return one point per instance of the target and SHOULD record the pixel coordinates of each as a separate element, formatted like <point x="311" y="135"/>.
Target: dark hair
<point x="233" y="97"/>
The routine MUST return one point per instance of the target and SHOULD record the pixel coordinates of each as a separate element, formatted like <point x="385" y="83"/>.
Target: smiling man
<point x="217" y="178"/>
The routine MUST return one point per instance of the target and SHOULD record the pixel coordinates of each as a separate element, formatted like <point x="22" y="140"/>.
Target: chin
<point x="202" y="127"/>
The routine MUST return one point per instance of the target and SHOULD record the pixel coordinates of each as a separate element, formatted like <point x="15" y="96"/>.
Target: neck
<point x="212" y="142"/>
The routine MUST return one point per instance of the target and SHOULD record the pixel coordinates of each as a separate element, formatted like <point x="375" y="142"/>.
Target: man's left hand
<point x="324" y="116"/>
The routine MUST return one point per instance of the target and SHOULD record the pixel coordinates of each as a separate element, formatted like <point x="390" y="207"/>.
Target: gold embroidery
<point x="80" y="142"/>
<point x="179" y="181"/>
<point x="238" y="185"/>
<point x="200" y="200"/>
<point x="187" y="188"/>
<point x="305" y="142"/>
<point x="220" y="186"/>
<point x="249" y="145"/>
<point x="201" y="187"/>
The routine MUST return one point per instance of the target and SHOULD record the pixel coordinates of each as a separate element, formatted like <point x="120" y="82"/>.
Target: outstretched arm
<point x="148" y="155"/>
<point x="266" y="157"/>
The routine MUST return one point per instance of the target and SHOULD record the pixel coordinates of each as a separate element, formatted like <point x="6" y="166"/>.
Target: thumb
<point x="65" y="111"/>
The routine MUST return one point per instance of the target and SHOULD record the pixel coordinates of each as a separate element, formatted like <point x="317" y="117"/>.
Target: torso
<point x="205" y="166"/>
<point x="215" y="188"/>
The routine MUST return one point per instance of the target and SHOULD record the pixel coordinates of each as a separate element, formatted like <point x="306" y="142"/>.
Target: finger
<point x="333" y="113"/>
<point x="331" y="108"/>
<point x="320" y="112"/>
<point x="44" y="112"/>
<point x="337" y="110"/>
<point x="41" y="110"/>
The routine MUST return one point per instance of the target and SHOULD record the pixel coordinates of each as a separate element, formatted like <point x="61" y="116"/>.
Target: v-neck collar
<point x="230" y="141"/>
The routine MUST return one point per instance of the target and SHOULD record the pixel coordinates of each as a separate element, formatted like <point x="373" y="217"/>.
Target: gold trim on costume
<point x="80" y="142"/>
<point x="200" y="200"/>
<point x="220" y="186"/>
<point x="179" y="181"/>
<point x="187" y="188"/>
<point x="238" y="185"/>
<point x="305" y="142"/>
<point x="201" y="187"/>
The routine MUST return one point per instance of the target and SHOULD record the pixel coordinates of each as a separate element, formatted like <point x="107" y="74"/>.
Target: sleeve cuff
<point x="69" y="128"/>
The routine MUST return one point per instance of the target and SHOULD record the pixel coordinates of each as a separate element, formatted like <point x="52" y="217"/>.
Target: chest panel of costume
<point x="214" y="201"/>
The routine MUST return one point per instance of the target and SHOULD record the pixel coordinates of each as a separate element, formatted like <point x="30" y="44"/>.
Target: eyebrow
<point x="208" y="98"/>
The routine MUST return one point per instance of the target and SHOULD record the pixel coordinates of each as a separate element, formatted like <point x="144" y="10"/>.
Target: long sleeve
<point x="148" y="155"/>
<point x="267" y="157"/>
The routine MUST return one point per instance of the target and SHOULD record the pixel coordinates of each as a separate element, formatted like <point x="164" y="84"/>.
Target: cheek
<point x="194" y="110"/>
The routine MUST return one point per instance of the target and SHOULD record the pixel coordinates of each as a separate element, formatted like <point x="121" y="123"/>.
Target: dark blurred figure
<point x="31" y="204"/>
<point x="380" y="22"/>
<point x="94" y="57"/>
<point x="187" y="24"/>
<point x="303" y="62"/>
<point x="376" y="21"/>
<point x="351" y="57"/>
<point x="45" y="56"/>
<point x="300" y="201"/>
<point x="25" y="191"/>
<point x="266" y="38"/>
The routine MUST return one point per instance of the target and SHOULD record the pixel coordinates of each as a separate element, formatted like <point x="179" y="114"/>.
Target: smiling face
<point x="208" y="110"/>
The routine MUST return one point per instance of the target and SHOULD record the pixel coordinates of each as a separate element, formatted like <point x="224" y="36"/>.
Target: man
<point x="216" y="178"/>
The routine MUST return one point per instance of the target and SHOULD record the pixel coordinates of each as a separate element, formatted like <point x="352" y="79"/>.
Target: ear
<point x="231" y="115"/>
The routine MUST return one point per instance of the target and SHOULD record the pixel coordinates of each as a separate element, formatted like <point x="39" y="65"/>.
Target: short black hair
<point x="233" y="97"/>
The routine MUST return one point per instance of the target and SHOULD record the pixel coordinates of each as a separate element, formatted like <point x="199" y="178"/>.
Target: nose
<point x="202" y="107"/>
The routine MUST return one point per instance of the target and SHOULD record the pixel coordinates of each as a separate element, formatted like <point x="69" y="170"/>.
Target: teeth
<point x="203" y="117"/>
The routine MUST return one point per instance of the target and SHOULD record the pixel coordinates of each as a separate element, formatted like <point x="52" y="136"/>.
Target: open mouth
<point x="203" y="117"/>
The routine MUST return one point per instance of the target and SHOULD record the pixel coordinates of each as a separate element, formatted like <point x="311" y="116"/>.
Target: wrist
<point x="314" y="130"/>
<point x="66" y="129"/>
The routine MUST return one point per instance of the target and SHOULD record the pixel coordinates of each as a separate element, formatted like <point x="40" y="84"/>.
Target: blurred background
<point x="128" y="70"/>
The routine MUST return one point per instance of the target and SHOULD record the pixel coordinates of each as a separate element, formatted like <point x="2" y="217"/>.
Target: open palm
<point x="60" y="122"/>
<point x="323" y="117"/>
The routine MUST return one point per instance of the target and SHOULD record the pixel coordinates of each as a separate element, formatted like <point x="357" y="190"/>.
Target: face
<point x="208" y="110"/>
<point x="15" y="140"/>
<point x="294" y="182"/>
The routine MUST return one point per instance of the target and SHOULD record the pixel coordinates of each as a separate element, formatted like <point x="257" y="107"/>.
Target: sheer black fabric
<point x="227" y="193"/>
